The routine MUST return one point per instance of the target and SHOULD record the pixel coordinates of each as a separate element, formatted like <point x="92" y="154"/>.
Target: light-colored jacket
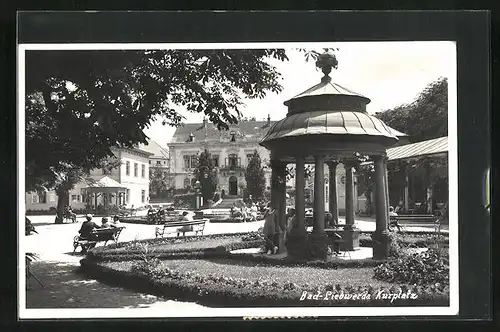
<point x="270" y="225"/>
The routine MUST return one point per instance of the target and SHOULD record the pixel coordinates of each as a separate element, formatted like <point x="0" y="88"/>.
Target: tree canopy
<point x="80" y="104"/>
<point x="425" y="118"/>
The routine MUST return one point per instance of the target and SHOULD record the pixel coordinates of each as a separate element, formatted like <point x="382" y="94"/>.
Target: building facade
<point x="230" y="149"/>
<point x="159" y="165"/>
<point x="132" y="174"/>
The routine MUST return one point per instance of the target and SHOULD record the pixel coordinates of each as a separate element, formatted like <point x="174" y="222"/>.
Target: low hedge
<point x="167" y="240"/>
<point x="419" y="243"/>
<point x="232" y="292"/>
<point x="173" y="253"/>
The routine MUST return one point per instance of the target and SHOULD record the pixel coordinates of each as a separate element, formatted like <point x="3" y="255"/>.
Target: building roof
<point x="154" y="148"/>
<point x="246" y="129"/>
<point x="104" y="182"/>
<point x="429" y="147"/>
<point x="327" y="87"/>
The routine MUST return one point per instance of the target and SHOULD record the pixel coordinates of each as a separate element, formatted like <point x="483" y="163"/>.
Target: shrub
<point x="426" y="268"/>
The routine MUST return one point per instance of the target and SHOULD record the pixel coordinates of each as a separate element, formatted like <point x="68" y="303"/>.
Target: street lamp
<point x="199" y="198"/>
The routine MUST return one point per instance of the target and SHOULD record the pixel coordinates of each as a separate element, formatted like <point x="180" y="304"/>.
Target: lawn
<point x="312" y="276"/>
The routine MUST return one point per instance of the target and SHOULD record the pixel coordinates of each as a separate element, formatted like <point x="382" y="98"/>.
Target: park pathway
<point x="66" y="287"/>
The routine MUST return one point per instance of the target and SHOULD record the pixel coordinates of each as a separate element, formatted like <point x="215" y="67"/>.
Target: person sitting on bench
<point x="186" y="216"/>
<point x="105" y="223"/>
<point x="116" y="222"/>
<point x="393" y="222"/>
<point x="86" y="232"/>
<point x="69" y="213"/>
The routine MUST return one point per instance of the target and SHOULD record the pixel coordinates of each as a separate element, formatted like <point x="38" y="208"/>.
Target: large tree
<point x="205" y="173"/>
<point x="159" y="182"/>
<point x="426" y="117"/>
<point x="255" y="176"/>
<point x="81" y="104"/>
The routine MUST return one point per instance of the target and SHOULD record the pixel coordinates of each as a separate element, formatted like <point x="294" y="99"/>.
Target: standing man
<point x="271" y="231"/>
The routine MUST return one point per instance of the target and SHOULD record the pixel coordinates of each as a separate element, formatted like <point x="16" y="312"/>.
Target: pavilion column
<point x="297" y="239"/>
<point x="278" y="198"/>
<point x="333" y="200"/>
<point x="281" y="205"/>
<point x="406" y="189"/>
<point x="429" y="189"/>
<point x="319" y="239"/>
<point x="349" y="195"/>
<point x="381" y="235"/>
<point x="386" y="180"/>
<point x="351" y="234"/>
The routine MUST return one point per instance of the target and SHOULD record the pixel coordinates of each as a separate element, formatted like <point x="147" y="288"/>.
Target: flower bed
<point x="427" y="268"/>
<point x="221" y="284"/>
<point x="408" y="240"/>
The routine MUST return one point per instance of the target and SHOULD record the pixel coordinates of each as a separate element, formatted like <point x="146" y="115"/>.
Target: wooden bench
<point x="414" y="220"/>
<point x="96" y="236"/>
<point x="196" y="226"/>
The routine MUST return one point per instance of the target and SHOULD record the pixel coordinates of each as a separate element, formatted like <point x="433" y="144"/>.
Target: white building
<point x="132" y="174"/>
<point x="231" y="151"/>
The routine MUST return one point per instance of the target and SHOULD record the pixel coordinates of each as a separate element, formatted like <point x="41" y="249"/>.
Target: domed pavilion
<point x="328" y="124"/>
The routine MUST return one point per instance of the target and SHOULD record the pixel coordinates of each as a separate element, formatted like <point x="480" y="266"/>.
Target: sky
<point x="389" y="73"/>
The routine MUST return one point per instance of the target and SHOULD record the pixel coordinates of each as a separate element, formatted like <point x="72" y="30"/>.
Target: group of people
<point x="88" y="226"/>
<point x="246" y="212"/>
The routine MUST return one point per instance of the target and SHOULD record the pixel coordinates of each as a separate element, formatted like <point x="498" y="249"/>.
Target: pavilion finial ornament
<point x="326" y="61"/>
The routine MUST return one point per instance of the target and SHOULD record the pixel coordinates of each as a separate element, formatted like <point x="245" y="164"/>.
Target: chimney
<point x="268" y="119"/>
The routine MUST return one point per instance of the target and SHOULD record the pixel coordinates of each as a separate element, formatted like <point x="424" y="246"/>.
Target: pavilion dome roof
<point x="328" y="88"/>
<point x="330" y="122"/>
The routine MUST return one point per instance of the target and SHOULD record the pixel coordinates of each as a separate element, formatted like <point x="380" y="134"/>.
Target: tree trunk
<point x="62" y="201"/>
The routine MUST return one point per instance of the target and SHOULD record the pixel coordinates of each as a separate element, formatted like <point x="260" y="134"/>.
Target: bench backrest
<point x="104" y="234"/>
<point x="186" y="223"/>
<point x="414" y="217"/>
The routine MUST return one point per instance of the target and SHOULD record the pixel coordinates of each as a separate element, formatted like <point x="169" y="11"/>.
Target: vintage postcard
<point x="238" y="179"/>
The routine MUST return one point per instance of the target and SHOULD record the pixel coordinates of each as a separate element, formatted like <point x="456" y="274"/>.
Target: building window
<point x="186" y="183"/>
<point x="42" y="197"/>
<point x="186" y="162"/>
<point x="136" y="169"/>
<point x="233" y="160"/>
<point x="233" y="136"/>
<point x="249" y="157"/>
<point x="158" y="162"/>
<point x="75" y="199"/>
<point x="143" y="171"/>
<point x="194" y="161"/>
<point x="143" y="196"/>
<point x="150" y="162"/>
<point x="34" y="199"/>
<point x="215" y="160"/>
<point x="127" y="168"/>
<point x="127" y="196"/>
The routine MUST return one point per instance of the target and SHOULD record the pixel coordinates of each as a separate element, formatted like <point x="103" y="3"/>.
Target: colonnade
<point x="318" y="238"/>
